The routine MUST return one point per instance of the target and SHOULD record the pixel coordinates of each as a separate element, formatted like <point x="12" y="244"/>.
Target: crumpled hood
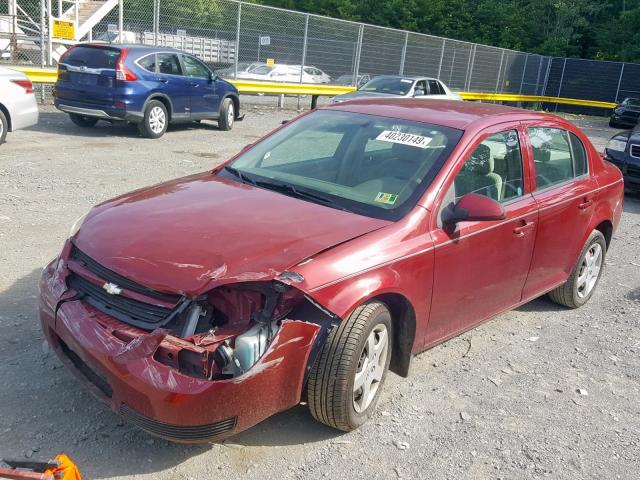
<point x="194" y="233"/>
<point x="361" y="94"/>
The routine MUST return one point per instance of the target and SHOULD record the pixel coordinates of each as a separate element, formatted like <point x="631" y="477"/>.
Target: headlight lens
<point x="618" y="111"/>
<point x="77" y="224"/>
<point x="617" y="144"/>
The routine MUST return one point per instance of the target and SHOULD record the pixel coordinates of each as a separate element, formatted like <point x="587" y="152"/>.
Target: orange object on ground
<point x="60" y="468"/>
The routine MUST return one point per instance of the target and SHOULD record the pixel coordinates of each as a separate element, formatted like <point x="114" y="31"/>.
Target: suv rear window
<point x="92" y="57"/>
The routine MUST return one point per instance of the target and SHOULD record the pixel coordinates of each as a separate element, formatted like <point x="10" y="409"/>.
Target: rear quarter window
<point x="92" y="57"/>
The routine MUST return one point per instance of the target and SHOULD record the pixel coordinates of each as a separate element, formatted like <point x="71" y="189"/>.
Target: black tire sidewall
<point x="381" y="315"/>
<point x="5" y="127"/>
<point x="224" y="111"/>
<point x="595" y="237"/>
<point x="145" y="128"/>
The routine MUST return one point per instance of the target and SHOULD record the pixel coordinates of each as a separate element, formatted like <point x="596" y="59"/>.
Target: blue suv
<point x="147" y="86"/>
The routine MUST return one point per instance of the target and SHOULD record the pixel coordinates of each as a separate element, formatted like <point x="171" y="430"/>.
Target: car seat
<point x="478" y="176"/>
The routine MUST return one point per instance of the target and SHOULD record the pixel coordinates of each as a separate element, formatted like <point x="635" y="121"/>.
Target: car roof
<point x="131" y="46"/>
<point x="449" y="113"/>
<point x="405" y="77"/>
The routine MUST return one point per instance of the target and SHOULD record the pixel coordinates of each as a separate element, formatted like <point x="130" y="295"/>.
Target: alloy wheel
<point x="157" y="120"/>
<point x="230" y="115"/>
<point x="589" y="270"/>
<point x="371" y="367"/>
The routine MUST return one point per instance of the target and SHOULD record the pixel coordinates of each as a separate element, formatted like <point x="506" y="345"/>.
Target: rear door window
<point x="169" y="64"/>
<point x="558" y="155"/>
<point x="434" y="88"/>
<point x="92" y="57"/>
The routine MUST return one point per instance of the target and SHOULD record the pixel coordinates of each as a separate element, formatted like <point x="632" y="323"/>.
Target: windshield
<point x="392" y="85"/>
<point x="370" y="165"/>
<point x="634" y="102"/>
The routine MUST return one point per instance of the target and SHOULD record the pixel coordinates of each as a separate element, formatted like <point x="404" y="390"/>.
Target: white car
<point x="400" y="86"/>
<point x="285" y="73"/>
<point x="18" y="106"/>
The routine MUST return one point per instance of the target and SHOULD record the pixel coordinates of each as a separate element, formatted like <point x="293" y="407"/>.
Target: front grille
<point x="128" y="310"/>
<point x="635" y="151"/>
<point x="112" y="277"/>
<point x="90" y="374"/>
<point x="177" y="432"/>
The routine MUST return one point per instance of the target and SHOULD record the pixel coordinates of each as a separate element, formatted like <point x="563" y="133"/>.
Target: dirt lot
<point x="501" y="401"/>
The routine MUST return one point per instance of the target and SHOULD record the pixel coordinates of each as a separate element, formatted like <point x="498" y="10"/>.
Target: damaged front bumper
<point x="156" y="397"/>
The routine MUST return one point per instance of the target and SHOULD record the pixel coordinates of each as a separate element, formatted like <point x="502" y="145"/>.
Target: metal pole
<point x="524" y="71"/>
<point x="156" y="20"/>
<point x="499" y="71"/>
<point x="619" y="82"/>
<point x="453" y="62"/>
<point x="42" y="55"/>
<point x="60" y="11"/>
<point x="546" y="77"/>
<point x="473" y="61"/>
<point x="538" y="76"/>
<point x="235" y="63"/>
<point x="404" y="53"/>
<point x="564" y="65"/>
<point x="304" y="46"/>
<point x="356" y="68"/>
<point x="120" y="21"/>
<point x="49" y="34"/>
<point x="444" y="40"/>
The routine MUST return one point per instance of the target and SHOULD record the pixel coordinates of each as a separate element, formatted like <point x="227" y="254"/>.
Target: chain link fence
<point x="233" y="36"/>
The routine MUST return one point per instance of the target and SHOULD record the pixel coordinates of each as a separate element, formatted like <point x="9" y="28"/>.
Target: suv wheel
<point x="4" y="126"/>
<point x="581" y="284"/>
<point x="347" y="378"/>
<point x="155" y="120"/>
<point x="82" y="120"/>
<point x="227" y="115"/>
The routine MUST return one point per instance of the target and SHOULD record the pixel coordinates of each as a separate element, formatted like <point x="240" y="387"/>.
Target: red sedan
<point x="322" y="256"/>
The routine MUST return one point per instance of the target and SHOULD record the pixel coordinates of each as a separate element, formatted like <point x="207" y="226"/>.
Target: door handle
<point x="586" y="203"/>
<point x="522" y="230"/>
<point x="193" y="84"/>
<point x="162" y="80"/>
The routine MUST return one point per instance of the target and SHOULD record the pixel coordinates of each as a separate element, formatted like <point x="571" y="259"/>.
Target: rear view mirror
<point x="476" y="208"/>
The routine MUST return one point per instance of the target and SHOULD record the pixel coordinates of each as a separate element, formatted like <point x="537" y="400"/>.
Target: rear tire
<point x="4" y="126"/>
<point x="347" y="378"/>
<point x="155" y="120"/>
<point x="227" y="115"/>
<point x="83" y="121"/>
<point x="584" y="278"/>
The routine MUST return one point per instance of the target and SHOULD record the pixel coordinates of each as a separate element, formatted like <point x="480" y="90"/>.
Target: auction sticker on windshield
<point x="404" y="138"/>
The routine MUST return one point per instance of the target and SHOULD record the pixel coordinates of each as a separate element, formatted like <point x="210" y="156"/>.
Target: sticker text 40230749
<point x="404" y="138"/>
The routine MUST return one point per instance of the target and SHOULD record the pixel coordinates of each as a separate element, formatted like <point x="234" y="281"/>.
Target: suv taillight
<point x="122" y="72"/>
<point x="26" y="84"/>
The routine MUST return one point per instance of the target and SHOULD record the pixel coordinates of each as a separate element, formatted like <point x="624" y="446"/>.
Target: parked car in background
<point x="401" y="86"/>
<point x="626" y="114"/>
<point x="623" y="150"/>
<point x="285" y="73"/>
<point x="348" y="79"/>
<point x="243" y="67"/>
<point x="322" y="256"/>
<point x="146" y="86"/>
<point x="18" y="105"/>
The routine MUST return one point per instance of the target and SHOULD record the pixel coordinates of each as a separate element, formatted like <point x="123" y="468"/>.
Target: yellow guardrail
<point x="49" y="75"/>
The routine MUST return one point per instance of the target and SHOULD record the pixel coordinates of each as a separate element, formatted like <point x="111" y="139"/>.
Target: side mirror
<point x="212" y="77"/>
<point x="476" y="208"/>
<point x="418" y="93"/>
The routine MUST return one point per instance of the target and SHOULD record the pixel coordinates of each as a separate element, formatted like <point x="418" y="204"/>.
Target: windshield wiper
<point x="237" y="173"/>
<point x="288" y="189"/>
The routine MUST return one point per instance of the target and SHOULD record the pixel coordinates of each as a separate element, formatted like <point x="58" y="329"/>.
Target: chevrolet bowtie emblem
<point x="112" y="288"/>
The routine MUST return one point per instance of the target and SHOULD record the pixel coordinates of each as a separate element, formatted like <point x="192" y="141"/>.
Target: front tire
<point x="83" y="121"/>
<point x="155" y="120"/>
<point x="227" y="115"/>
<point x="346" y="381"/>
<point x="4" y="126"/>
<point x="584" y="278"/>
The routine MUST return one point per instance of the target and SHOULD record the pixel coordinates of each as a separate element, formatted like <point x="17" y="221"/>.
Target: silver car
<point x="18" y="106"/>
<point x="400" y="86"/>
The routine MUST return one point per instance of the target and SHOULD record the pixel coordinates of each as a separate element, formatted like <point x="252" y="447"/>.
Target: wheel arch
<point x="7" y="116"/>
<point x="403" y="317"/>
<point x="161" y="97"/>
<point x="236" y="103"/>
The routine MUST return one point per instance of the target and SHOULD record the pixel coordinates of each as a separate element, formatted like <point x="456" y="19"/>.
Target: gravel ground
<point x="538" y="392"/>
